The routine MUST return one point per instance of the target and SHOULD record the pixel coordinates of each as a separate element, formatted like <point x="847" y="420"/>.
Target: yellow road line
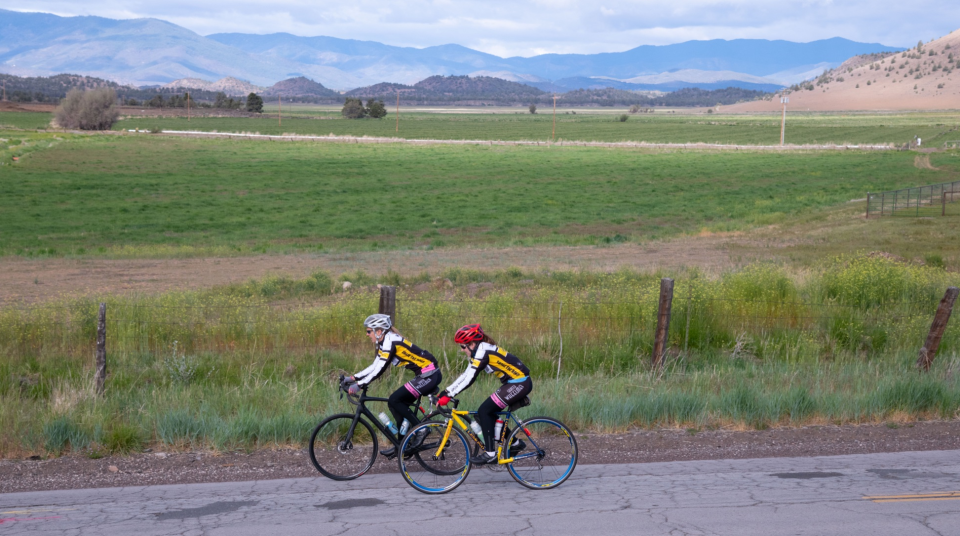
<point x="941" y="496"/>
<point x="36" y="510"/>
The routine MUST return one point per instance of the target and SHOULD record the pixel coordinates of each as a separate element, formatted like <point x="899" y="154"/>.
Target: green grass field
<point x="583" y="125"/>
<point x="665" y="128"/>
<point x="104" y="194"/>
<point x="801" y="341"/>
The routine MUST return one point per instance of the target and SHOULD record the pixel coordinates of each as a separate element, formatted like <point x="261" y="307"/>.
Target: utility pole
<point x="554" y="135"/>
<point x="783" y="122"/>
<point x="398" y="110"/>
<point x="279" y="110"/>
<point x="188" y="107"/>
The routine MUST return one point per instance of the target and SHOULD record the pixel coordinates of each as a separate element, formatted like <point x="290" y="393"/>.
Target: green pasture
<point x="25" y="120"/>
<point x="141" y="194"/>
<point x="653" y="128"/>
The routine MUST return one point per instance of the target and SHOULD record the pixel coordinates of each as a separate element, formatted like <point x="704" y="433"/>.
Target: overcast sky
<point x="530" y="27"/>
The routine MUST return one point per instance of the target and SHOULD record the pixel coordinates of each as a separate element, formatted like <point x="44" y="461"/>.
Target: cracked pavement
<point x="904" y="493"/>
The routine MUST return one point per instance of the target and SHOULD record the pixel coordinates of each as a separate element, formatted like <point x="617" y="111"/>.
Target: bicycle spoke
<point x="339" y="455"/>
<point x="549" y="454"/>
<point x="427" y="472"/>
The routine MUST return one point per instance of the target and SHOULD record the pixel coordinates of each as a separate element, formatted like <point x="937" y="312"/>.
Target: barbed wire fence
<point x="559" y="334"/>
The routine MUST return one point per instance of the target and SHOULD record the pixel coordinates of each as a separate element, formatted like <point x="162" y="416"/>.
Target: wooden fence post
<point x="388" y="302"/>
<point x="929" y="350"/>
<point x="663" y="321"/>
<point x="101" y="374"/>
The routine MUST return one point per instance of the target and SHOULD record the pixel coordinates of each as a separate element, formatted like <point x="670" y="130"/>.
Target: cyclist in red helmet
<point x="486" y="355"/>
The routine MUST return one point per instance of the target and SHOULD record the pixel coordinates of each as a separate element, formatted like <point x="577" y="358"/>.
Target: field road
<point x="910" y="493"/>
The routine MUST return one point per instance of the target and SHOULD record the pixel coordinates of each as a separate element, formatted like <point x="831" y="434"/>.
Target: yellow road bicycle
<point x="542" y="451"/>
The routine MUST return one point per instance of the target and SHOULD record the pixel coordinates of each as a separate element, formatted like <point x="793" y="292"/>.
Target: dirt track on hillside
<point x="32" y="280"/>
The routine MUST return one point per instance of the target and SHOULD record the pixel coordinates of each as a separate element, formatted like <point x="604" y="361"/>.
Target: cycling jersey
<point x="396" y="350"/>
<point x="493" y="360"/>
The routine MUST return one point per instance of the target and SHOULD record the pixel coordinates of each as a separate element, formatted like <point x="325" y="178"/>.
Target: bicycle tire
<point x="427" y="463"/>
<point x="337" y="460"/>
<point x="431" y="475"/>
<point x="547" y="440"/>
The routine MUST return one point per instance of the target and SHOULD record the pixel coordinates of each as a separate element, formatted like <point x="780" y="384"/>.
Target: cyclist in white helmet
<point x="393" y="348"/>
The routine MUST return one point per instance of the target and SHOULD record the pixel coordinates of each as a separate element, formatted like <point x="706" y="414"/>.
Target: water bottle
<point x="387" y="422"/>
<point x="476" y="429"/>
<point x="497" y="429"/>
<point x="404" y="427"/>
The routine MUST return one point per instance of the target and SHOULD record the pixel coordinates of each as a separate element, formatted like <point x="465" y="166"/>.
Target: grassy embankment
<point x="253" y="365"/>
<point x="147" y="196"/>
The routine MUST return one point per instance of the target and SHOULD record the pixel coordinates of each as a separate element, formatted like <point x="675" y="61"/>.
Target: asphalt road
<point x="902" y="494"/>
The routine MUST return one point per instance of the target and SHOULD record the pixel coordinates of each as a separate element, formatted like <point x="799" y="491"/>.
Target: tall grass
<point x="254" y="364"/>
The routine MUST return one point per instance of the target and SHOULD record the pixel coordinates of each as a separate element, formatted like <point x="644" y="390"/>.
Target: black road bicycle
<point x="345" y="446"/>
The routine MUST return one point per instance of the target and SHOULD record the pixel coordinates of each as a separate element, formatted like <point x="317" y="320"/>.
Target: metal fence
<point x="930" y="200"/>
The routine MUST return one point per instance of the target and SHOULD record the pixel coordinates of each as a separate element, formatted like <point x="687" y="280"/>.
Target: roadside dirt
<point x="34" y="280"/>
<point x="155" y="468"/>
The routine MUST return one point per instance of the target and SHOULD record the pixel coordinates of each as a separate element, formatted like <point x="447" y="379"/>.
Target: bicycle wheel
<point x="549" y="453"/>
<point x="424" y="453"/>
<point x="339" y="457"/>
<point x="428" y="473"/>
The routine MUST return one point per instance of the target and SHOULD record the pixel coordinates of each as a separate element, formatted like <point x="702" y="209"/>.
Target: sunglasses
<point x="369" y="331"/>
<point x="463" y="346"/>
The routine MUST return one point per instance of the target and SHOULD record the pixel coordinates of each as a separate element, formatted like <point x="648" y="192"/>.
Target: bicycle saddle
<point x="520" y="404"/>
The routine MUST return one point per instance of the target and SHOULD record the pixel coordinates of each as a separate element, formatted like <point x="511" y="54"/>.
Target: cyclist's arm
<point x="468" y="377"/>
<point x="374" y="371"/>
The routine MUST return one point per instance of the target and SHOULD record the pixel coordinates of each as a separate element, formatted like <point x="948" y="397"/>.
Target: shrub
<point x="935" y="261"/>
<point x="376" y="109"/>
<point x="634" y="109"/>
<point x="122" y="439"/>
<point x="869" y="281"/>
<point x="353" y="109"/>
<point x="623" y="118"/>
<point x="533" y="108"/>
<point x="180" y="367"/>
<point x="254" y="103"/>
<point x="88" y="110"/>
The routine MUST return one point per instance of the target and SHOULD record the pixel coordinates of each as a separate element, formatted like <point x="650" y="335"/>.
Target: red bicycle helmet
<point x="469" y="333"/>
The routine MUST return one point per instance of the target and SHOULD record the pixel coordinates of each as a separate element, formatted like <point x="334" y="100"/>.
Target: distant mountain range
<point x="155" y="52"/>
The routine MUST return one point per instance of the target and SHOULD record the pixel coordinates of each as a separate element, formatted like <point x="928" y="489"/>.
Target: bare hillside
<point x="925" y="77"/>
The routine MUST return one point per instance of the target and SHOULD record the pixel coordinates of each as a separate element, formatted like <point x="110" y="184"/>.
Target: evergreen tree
<point x="254" y="103"/>
<point x="376" y="109"/>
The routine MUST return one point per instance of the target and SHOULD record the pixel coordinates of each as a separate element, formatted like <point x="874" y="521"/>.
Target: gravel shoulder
<point x="156" y="468"/>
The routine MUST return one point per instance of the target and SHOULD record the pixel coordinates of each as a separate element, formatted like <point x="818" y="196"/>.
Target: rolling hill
<point x="922" y="78"/>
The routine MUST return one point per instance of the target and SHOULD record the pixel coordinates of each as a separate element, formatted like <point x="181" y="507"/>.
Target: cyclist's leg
<point x="399" y="403"/>
<point x="509" y="393"/>
<point x="401" y="400"/>
<point x="487" y="418"/>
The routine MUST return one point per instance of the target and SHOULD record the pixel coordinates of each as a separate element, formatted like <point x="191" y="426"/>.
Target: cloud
<point x="528" y="27"/>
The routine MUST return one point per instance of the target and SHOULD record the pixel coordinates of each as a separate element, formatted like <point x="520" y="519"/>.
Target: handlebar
<point x="353" y="399"/>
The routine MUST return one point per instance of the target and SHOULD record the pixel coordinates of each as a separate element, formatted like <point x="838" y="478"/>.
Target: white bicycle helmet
<point x="378" y="321"/>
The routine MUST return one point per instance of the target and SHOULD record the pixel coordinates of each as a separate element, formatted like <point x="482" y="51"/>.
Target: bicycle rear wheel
<point x="338" y="457"/>
<point x="424" y="470"/>
<point x="549" y="453"/>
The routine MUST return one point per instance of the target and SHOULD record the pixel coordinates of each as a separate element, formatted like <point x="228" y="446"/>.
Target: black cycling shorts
<point x="510" y="393"/>
<point x="424" y="385"/>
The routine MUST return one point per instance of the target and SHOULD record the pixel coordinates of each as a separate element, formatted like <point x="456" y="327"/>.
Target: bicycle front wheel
<point x="338" y="454"/>
<point x="545" y="455"/>
<point x="424" y="469"/>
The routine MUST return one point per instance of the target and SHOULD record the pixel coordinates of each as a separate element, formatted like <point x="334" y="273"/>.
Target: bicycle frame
<point x="362" y="410"/>
<point x="454" y="417"/>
